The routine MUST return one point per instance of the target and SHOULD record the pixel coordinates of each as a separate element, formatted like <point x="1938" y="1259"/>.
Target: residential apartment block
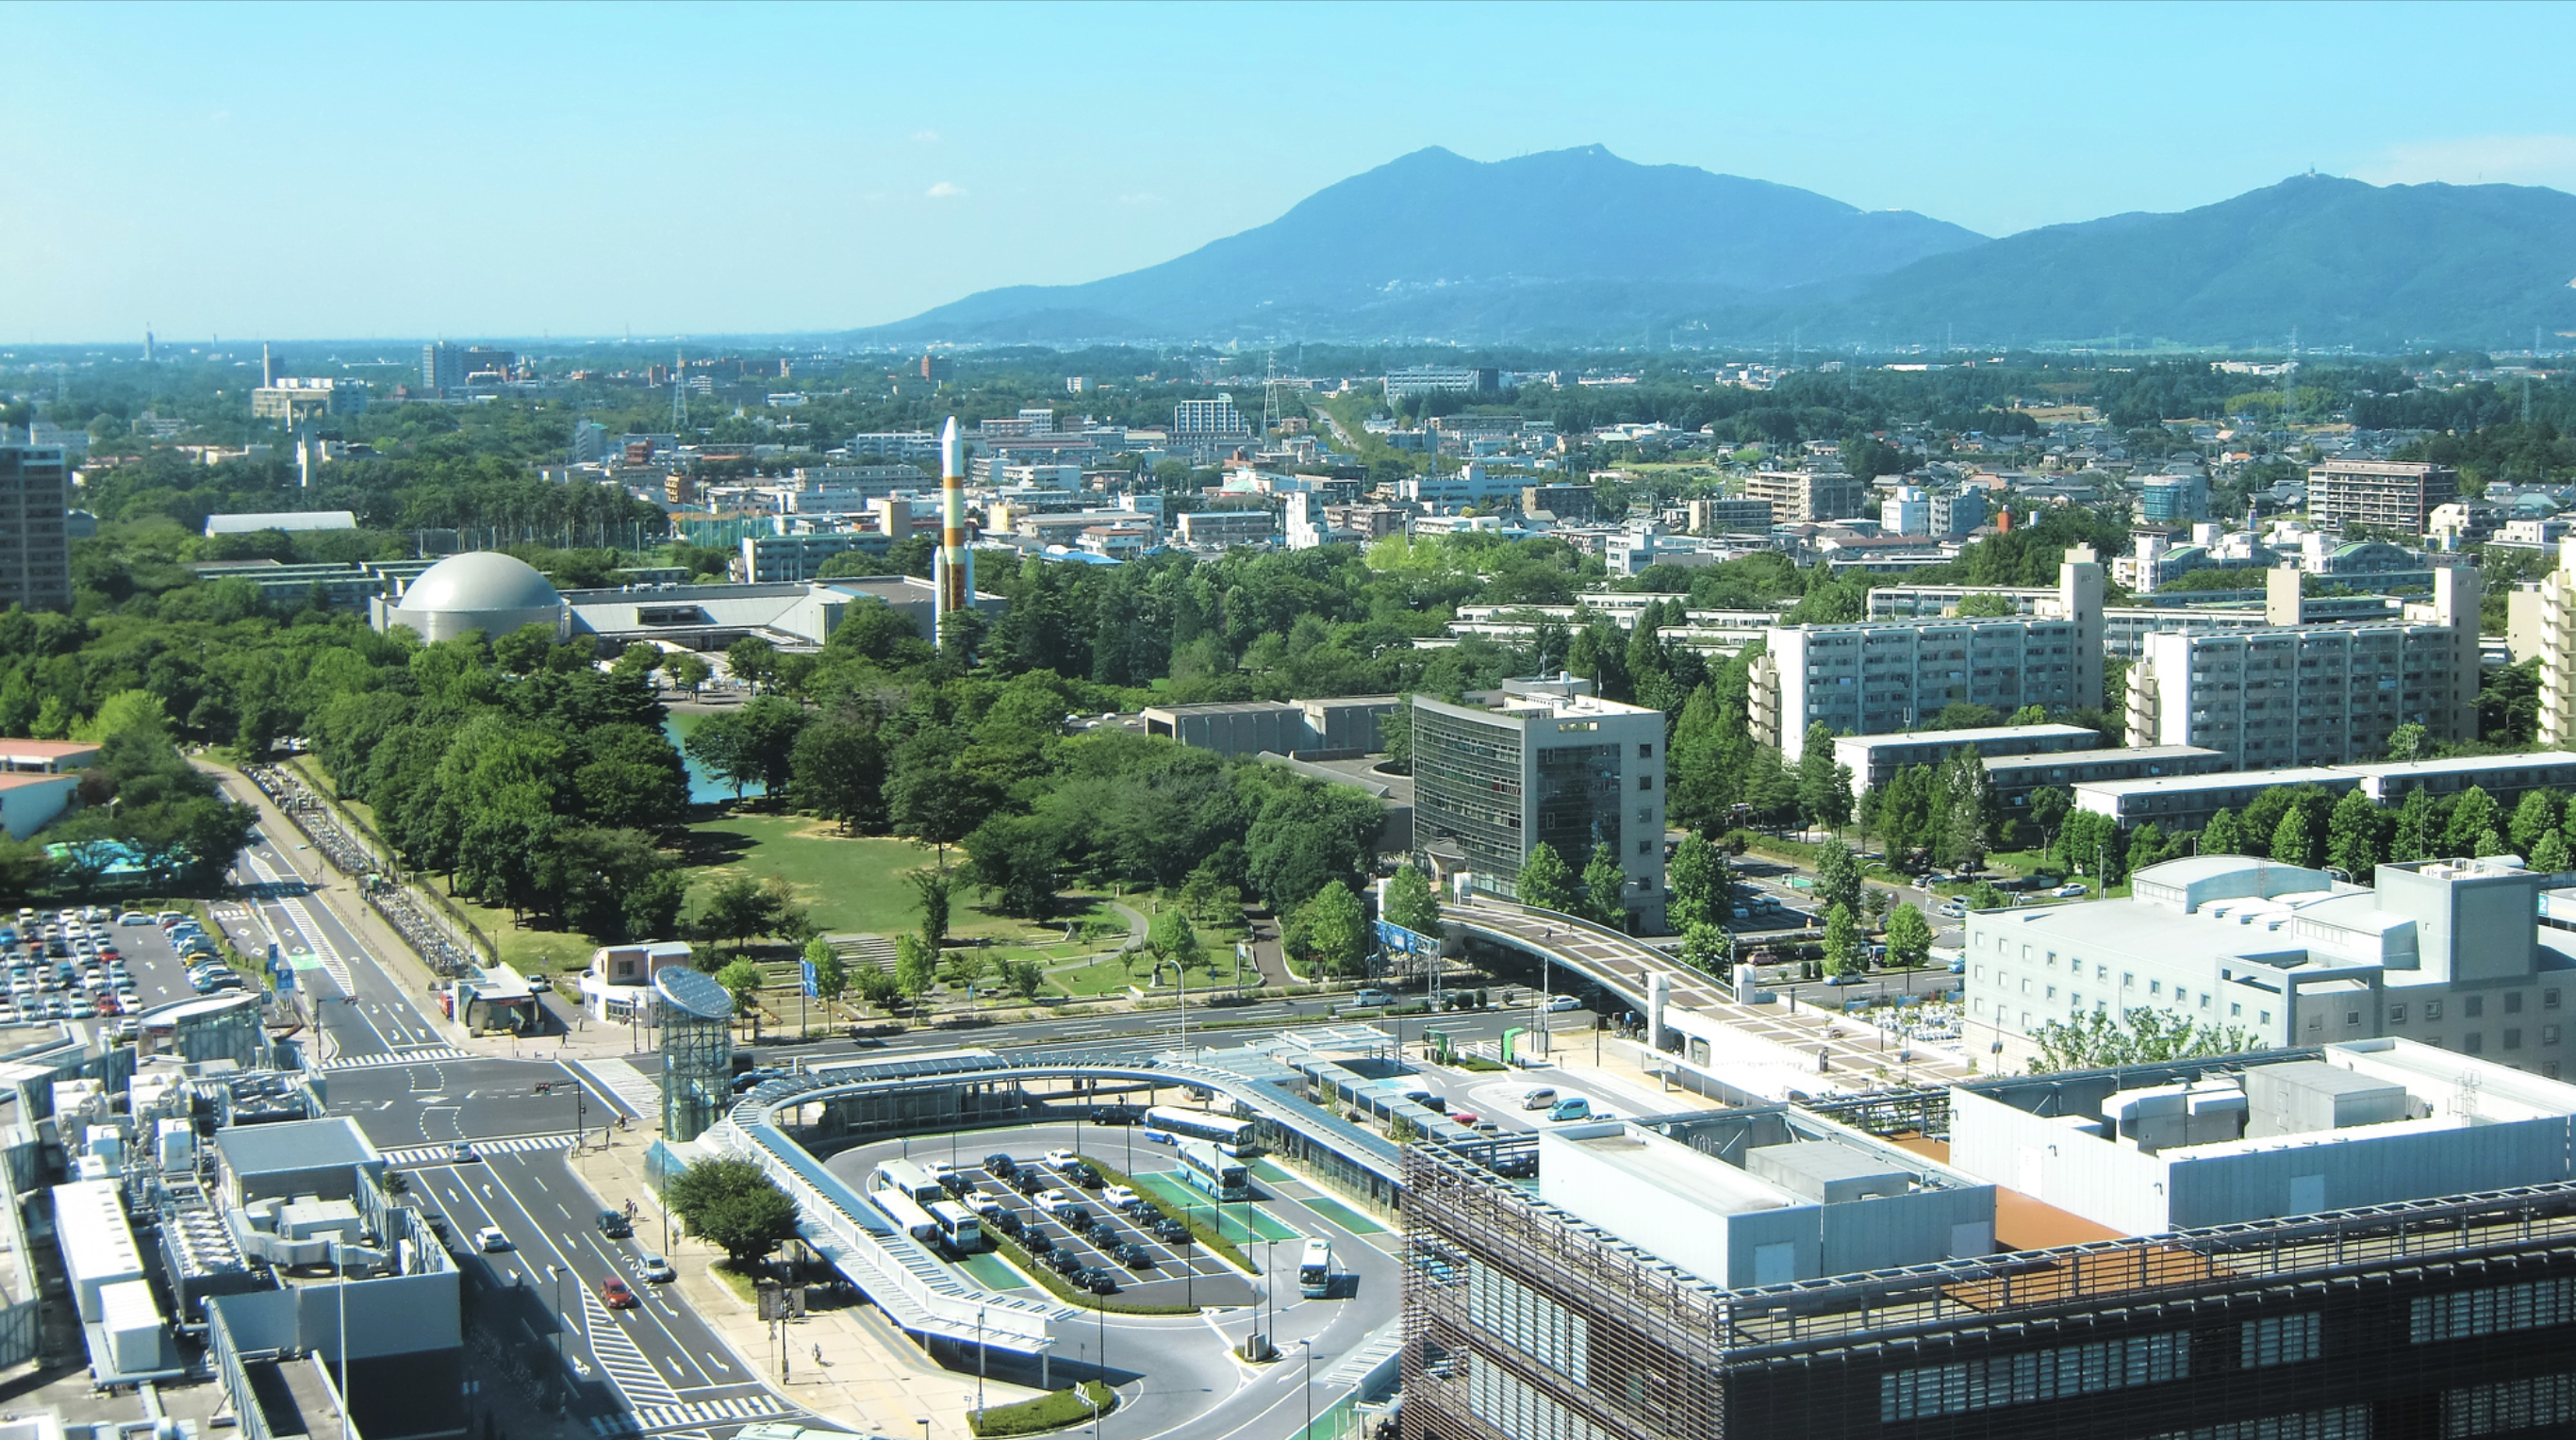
<point x="1805" y="495"/>
<point x="1225" y="527"/>
<point x="2313" y="695"/>
<point x="35" y="545"/>
<point x="2185" y="797"/>
<point x="1441" y="380"/>
<point x="1549" y="762"/>
<point x="2388" y="494"/>
<point x="1891" y="676"/>
<point x="1875" y="759"/>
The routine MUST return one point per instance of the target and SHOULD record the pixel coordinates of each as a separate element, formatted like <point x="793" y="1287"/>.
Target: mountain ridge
<point x="1581" y="246"/>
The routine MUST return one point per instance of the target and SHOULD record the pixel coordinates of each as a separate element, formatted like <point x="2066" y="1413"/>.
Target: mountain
<point x="2345" y="263"/>
<point x="1570" y="244"/>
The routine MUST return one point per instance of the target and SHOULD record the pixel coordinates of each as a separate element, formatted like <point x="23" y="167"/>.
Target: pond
<point x="704" y="788"/>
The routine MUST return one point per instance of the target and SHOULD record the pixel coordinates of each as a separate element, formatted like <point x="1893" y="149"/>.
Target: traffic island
<point x="1047" y="1412"/>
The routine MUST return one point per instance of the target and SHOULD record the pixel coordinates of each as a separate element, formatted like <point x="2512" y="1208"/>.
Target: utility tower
<point x="679" y="394"/>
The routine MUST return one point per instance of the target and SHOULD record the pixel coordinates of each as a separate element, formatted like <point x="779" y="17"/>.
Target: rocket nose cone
<point x="949" y="435"/>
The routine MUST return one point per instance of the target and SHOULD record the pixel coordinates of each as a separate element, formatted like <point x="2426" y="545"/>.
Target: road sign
<point x="812" y="985"/>
<point x="1410" y="942"/>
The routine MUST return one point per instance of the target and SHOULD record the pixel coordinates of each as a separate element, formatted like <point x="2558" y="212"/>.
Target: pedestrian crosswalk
<point x="427" y="1055"/>
<point x="513" y="1145"/>
<point x="665" y="1419"/>
<point x="623" y="1360"/>
<point x="634" y="1089"/>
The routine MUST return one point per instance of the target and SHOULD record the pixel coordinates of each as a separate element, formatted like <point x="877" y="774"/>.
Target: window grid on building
<point x="2055" y="1374"/>
<point x="2496" y="1309"/>
<point x="2508" y="1405"/>
<point x="2279" y="1340"/>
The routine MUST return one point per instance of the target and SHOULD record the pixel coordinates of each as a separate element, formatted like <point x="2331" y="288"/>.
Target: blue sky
<point x="467" y="170"/>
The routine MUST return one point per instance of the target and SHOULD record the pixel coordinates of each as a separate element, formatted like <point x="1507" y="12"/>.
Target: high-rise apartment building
<point x="2314" y="694"/>
<point x="1200" y="419"/>
<point x="1796" y="495"/>
<point x="1876" y="678"/>
<point x="2550" y="615"/>
<point x="1553" y="763"/>
<point x="2387" y="494"/>
<point x="35" y="546"/>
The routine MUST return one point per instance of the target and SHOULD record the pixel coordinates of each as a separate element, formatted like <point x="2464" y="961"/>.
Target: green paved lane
<point x="1231" y="1224"/>
<point x="1344" y="1216"/>
<point x="993" y="1272"/>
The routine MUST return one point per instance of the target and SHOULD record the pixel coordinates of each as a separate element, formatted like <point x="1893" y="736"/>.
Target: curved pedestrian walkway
<point x="1693" y="1022"/>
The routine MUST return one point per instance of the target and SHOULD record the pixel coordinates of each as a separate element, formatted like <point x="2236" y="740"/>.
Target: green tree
<point x="752" y="661"/>
<point x="1842" y="942"/>
<point x="1015" y="859"/>
<point x="837" y="770"/>
<point x="1987" y="605"/>
<point x="2291" y="844"/>
<point x="733" y="1204"/>
<point x="690" y="671"/>
<point x="2535" y="815"/>
<point x="916" y="966"/>
<point x="1816" y="774"/>
<point x="831" y="977"/>
<point x="1707" y="948"/>
<point x="2472" y="816"/>
<point x="1605" y="888"/>
<point x="1410" y="903"/>
<point x="2409" y="742"/>
<point x="2140" y="1036"/>
<point x="2488" y="843"/>
<point x="1336" y="930"/>
<point x="2549" y="857"/>
<point x="741" y="980"/>
<point x="2352" y="836"/>
<point x="1175" y="941"/>
<point x="2221" y="836"/>
<point x="930" y="890"/>
<point x="1695" y="884"/>
<point x="1545" y="881"/>
<point x="1909" y="937"/>
<point x="2049" y="807"/>
<point x="736" y="910"/>
<point x="720" y="744"/>
<point x="2415" y="835"/>
<point x="1838" y="880"/>
<point x="1023" y="978"/>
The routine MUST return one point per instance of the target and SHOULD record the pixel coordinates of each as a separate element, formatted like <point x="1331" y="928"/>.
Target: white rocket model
<point x="955" y="577"/>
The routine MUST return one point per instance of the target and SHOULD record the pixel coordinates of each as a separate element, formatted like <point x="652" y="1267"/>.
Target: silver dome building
<point x="481" y="590"/>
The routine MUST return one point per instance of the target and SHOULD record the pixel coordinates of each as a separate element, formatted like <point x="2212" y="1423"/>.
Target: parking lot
<point x="1178" y="1270"/>
<point x="103" y="967"/>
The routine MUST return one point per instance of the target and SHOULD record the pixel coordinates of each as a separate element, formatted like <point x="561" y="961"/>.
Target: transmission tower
<point x="679" y="394"/>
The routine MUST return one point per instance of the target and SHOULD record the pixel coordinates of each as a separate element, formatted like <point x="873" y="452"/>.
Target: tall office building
<point x="442" y="367"/>
<point x="2387" y="494"/>
<point x="35" y="546"/>
<point x="1878" y="678"/>
<point x="2314" y="694"/>
<point x="1549" y="762"/>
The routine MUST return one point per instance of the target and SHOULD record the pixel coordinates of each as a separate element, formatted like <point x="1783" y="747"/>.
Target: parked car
<point x="1051" y="1201"/>
<point x="1063" y="1261"/>
<point x="2069" y="890"/>
<point x="1538" y="1099"/>
<point x="1029" y="1182"/>
<point x="1000" y="1166"/>
<point x="1121" y="1197"/>
<point x="1099" y="1282"/>
<point x="1035" y="1240"/>
<point x="1572" y="1107"/>
<point x="614" y="1294"/>
<point x="1059" y="1158"/>
<point x="982" y="1203"/>
<point x="1083" y="1175"/>
<point x="1371" y="995"/>
<point x="1170" y="1231"/>
<point x="1008" y="1221"/>
<point x="1468" y="1118"/>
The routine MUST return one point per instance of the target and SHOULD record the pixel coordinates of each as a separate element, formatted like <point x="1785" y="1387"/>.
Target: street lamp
<point x="1270" y="1289"/>
<point x="563" y="1372"/>
<point x="1308" y="1345"/>
<point x="979" y="1362"/>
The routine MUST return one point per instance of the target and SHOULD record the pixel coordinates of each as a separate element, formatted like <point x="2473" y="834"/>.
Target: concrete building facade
<point x="2449" y="954"/>
<point x="1875" y="678"/>
<point x="2385" y="494"/>
<point x="1550" y="762"/>
<point x="2313" y="695"/>
<point x="1806" y="495"/>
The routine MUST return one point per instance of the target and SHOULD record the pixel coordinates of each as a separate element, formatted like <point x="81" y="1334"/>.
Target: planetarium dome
<point x="482" y="590"/>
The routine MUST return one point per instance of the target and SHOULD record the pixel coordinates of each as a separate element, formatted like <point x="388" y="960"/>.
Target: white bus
<point x="1210" y="1169"/>
<point x="959" y="1230"/>
<point x="1315" y="1270"/>
<point x="910" y="1178"/>
<point x="904" y="1212"/>
<point x="1169" y="1124"/>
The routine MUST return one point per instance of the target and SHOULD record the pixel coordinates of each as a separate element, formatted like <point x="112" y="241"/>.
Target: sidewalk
<point x="873" y="1378"/>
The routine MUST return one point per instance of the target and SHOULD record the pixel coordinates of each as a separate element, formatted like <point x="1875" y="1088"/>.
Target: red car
<point x="614" y="1294"/>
